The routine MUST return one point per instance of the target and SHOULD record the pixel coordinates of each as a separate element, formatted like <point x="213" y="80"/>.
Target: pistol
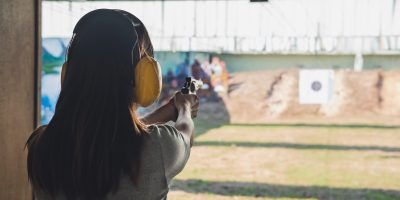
<point x="191" y="86"/>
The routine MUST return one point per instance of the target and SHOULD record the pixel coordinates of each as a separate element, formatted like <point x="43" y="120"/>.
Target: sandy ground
<point x="305" y="162"/>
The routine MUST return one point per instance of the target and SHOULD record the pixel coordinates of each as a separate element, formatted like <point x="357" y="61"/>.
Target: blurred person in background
<point x="219" y="77"/>
<point x="199" y="73"/>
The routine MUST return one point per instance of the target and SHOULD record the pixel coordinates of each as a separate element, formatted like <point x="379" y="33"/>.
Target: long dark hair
<point x="95" y="136"/>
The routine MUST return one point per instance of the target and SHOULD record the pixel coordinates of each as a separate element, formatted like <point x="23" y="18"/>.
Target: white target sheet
<point x="315" y="86"/>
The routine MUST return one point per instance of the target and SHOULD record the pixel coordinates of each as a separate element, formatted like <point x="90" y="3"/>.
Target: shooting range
<point x="300" y="98"/>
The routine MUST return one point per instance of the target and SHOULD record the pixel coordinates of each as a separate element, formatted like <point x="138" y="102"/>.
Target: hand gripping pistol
<point x="191" y="86"/>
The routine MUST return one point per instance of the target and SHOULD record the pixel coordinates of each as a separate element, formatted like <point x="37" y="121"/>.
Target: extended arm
<point x="163" y="114"/>
<point x="181" y="110"/>
<point x="184" y="123"/>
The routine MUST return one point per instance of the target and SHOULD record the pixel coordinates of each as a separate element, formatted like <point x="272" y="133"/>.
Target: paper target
<point x="315" y="86"/>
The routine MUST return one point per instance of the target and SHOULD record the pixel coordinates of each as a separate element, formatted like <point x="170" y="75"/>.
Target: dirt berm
<point x="371" y="96"/>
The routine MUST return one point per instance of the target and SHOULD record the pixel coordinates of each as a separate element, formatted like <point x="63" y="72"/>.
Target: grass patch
<point x="288" y="162"/>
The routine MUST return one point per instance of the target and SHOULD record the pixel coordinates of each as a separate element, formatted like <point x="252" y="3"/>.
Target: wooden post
<point x="20" y="55"/>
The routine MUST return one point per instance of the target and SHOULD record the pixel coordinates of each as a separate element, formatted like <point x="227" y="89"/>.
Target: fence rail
<point x="283" y="44"/>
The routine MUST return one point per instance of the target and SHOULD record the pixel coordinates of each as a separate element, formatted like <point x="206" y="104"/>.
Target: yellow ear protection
<point x="147" y="79"/>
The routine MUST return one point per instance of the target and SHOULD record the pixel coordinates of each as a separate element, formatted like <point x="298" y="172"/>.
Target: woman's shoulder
<point x="171" y="142"/>
<point x="174" y="147"/>
<point x="162" y="128"/>
<point x="155" y="130"/>
<point x="166" y="133"/>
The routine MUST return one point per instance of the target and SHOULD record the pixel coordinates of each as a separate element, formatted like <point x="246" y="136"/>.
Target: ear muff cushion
<point x="148" y="81"/>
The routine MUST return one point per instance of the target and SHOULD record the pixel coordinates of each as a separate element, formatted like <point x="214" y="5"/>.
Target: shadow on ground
<point x="298" y="146"/>
<point x="211" y="115"/>
<point x="280" y="191"/>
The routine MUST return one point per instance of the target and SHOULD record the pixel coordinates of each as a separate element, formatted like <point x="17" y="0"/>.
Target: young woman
<point x="95" y="146"/>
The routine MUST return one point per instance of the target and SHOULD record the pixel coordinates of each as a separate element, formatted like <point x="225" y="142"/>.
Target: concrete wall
<point x="249" y="62"/>
<point x="19" y="31"/>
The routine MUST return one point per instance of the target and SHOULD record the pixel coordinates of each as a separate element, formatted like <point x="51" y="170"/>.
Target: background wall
<point x="250" y="62"/>
<point x="256" y="62"/>
<point x="18" y="92"/>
